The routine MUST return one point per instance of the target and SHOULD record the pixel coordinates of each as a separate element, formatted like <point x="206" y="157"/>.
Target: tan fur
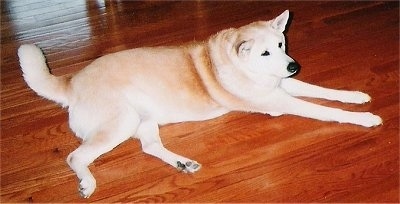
<point x="129" y="93"/>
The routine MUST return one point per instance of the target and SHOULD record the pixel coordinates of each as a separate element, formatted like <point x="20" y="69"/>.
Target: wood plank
<point x="245" y="157"/>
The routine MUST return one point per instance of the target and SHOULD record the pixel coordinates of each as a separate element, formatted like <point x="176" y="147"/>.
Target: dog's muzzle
<point x="293" y="67"/>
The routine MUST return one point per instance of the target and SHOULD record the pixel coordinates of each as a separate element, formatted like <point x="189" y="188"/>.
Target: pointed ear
<point x="244" y="48"/>
<point x="279" y="23"/>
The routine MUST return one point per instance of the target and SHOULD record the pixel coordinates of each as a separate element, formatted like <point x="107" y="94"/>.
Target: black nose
<point x="293" y="67"/>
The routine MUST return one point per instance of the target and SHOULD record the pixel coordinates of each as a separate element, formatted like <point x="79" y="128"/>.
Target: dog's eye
<point x="266" y="53"/>
<point x="280" y="45"/>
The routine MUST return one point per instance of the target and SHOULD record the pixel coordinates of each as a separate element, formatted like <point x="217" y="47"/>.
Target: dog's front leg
<point x="295" y="87"/>
<point x="286" y="104"/>
<point x="148" y="134"/>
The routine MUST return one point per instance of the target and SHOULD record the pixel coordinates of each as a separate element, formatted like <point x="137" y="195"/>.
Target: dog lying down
<point x="130" y="93"/>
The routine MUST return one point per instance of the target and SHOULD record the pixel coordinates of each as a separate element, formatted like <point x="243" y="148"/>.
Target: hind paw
<point x="86" y="187"/>
<point x="188" y="167"/>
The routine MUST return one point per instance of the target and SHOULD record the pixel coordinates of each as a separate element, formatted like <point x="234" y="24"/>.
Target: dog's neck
<point x="244" y="86"/>
<point x="224" y="63"/>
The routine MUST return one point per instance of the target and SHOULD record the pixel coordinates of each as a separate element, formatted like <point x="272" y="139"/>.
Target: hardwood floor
<point x="245" y="157"/>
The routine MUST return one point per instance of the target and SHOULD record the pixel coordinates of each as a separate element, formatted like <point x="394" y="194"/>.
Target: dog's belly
<point x="173" y="107"/>
<point x="91" y="112"/>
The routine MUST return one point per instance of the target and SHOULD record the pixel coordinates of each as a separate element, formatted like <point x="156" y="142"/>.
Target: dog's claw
<point x="82" y="194"/>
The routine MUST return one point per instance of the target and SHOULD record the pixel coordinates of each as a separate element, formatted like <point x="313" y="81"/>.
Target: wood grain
<point x="245" y="157"/>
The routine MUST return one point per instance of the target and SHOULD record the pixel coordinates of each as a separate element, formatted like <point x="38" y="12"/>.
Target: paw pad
<point x="188" y="167"/>
<point x="180" y="166"/>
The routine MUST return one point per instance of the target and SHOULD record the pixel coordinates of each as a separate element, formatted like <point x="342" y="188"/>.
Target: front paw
<point x="356" y="97"/>
<point x="369" y="120"/>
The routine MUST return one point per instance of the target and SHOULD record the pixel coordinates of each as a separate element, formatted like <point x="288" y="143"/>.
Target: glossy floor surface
<point x="245" y="157"/>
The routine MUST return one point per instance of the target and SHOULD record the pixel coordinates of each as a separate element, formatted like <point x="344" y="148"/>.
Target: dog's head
<point x="260" y="48"/>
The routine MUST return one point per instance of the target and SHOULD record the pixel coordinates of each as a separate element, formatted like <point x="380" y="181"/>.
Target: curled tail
<point x="38" y="77"/>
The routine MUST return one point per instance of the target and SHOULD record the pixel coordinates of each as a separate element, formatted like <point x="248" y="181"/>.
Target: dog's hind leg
<point x="148" y="134"/>
<point x="298" y="88"/>
<point x="111" y="134"/>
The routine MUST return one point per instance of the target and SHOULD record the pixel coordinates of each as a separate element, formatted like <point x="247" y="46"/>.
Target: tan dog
<point x="129" y="93"/>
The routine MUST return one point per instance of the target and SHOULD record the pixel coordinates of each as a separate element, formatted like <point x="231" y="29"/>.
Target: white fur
<point x="129" y="93"/>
